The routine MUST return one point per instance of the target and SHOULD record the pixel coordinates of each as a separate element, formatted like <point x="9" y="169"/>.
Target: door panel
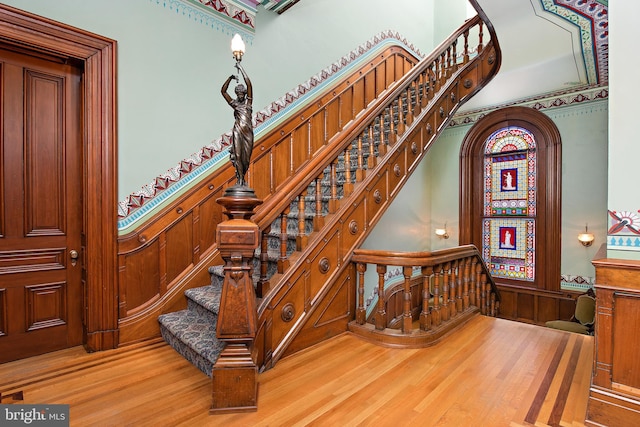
<point x="41" y="218"/>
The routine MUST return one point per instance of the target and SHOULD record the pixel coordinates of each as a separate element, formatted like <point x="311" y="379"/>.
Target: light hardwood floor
<point x="491" y="372"/>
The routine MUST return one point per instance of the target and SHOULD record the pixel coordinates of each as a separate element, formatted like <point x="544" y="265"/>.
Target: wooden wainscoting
<point x="535" y="306"/>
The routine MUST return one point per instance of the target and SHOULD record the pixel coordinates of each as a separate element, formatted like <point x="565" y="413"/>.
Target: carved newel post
<point x="235" y="374"/>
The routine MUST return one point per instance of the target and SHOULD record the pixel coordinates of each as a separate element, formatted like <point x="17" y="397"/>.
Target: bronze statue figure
<point x="242" y="136"/>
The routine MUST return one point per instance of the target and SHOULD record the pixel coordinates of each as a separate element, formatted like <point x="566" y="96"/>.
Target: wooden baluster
<point x="382" y="144"/>
<point x="301" y="238"/>
<point x="480" y="35"/>
<point x="436" y="65"/>
<point x="371" y="161"/>
<point x="445" y="292"/>
<point x="466" y="281"/>
<point x="318" y="219"/>
<point x="360" y="172"/>
<point x="424" y="93"/>
<point x="347" y="187"/>
<point x="459" y="285"/>
<point x="447" y="67"/>
<point x="381" y="314"/>
<point x="409" y="114"/>
<point x="407" y="319"/>
<point x="443" y="69"/>
<point x="454" y="57"/>
<point x="333" y="201"/>
<point x="283" y="261"/>
<point x="434" y="81"/>
<point x="454" y="288"/>
<point x="425" y="317"/>
<point x="466" y="47"/>
<point x="400" y="128"/>
<point x="361" y="312"/>
<point x="472" y="283"/>
<point x="262" y="287"/>
<point x="483" y="296"/>
<point x="437" y="281"/>
<point x="393" y="136"/>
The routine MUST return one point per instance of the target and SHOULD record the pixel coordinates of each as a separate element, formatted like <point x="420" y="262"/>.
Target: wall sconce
<point x="586" y="238"/>
<point x="442" y="232"/>
<point x="237" y="47"/>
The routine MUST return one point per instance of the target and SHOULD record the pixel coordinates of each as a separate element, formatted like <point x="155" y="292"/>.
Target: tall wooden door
<point x="41" y="208"/>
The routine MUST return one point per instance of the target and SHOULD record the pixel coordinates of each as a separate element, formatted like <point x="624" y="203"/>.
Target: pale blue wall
<point x="171" y="67"/>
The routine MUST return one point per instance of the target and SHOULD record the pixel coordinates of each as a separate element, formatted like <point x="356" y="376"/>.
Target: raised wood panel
<point x="281" y="156"/>
<point x="358" y="100"/>
<point x="377" y="198"/>
<point x="44" y="154"/>
<point x="317" y="131"/>
<point x="626" y="341"/>
<point x="179" y="248"/>
<point x="264" y="181"/>
<point x="352" y="227"/>
<point x="322" y="264"/>
<point x="334" y="115"/>
<point x="46" y="305"/>
<point x="330" y="315"/>
<point x="142" y="277"/>
<point x="533" y="306"/>
<point x="614" y="395"/>
<point x="381" y="77"/>
<point x="346" y="107"/>
<point x="370" y="89"/>
<point x="287" y="307"/>
<point x="396" y="173"/>
<point x="300" y="146"/>
<point x="210" y="217"/>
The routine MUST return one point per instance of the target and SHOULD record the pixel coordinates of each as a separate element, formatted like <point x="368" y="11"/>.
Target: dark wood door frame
<point x="549" y="178"/>
<point x="41" y="36"/>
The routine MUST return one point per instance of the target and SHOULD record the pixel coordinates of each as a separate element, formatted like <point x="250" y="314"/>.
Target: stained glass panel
<point x="510" y="203"/>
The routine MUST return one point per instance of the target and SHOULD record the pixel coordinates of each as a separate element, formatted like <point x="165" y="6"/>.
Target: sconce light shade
<point x="586" y="238"/>
<point x="237" y="47"/>
<point x="442" y="232"/>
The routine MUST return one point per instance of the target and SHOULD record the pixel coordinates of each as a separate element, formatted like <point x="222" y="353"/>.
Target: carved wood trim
<point x="97" y="54"/>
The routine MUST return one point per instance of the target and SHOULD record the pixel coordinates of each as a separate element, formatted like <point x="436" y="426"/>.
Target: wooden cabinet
<point x="614" y="395"/>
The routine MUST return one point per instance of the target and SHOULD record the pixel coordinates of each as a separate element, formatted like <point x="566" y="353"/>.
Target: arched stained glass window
<point x="509" y="218"/>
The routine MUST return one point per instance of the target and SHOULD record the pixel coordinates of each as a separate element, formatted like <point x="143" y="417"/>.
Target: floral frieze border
<point x="624" y="230"/>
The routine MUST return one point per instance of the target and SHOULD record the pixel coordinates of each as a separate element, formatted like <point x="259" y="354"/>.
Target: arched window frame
<point x="548" y="189"/>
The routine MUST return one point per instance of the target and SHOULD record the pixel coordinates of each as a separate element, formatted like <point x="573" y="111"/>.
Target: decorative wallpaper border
<point x="624" y="230"/>
<point x="189" y="171"/>
<point x="592" y="18"/>
<point x="577" y="283"/>
<point x="549" y="101"/>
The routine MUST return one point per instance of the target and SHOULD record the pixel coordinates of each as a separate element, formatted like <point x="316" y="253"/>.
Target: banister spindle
<point x="465" y="283"/>
<point x="478" y="284"/>
<point x="262" y="287"/>
<point x="443" y="69"/>
<point x="454" y="289"/>
<point x="424" y="93"/>
<point x="466" y="47"/>
<point x="348" y="185"/>
<point x="444" y="313"/>
<point x="436" y="70"/>
<point x="361" y="312"/>
<point x="371" y="161"/>
<point x="459" y="280"/>
<point x="448" y="70"/>
<point x="393" y="136"/>
<point x="480" y="35"/>
<point x="360" y="172"/>
<point x="437" y="282"/>
<point x="472" y="284"/>
<point x="381" y="314"/>
<point x="318" y="219"/>
<point x="400" y="128"/>
<point x="301" y="238"/>
<point x="483" y="293"/>
<point x="408" y="117"/>
<point x="283" y="261"/>
<point x="455" y="56"/>
<point x="407" y="319"/>
<point x="333" y="201"/>
<point x="382" y="144"/>
<point x="425" y="315"/>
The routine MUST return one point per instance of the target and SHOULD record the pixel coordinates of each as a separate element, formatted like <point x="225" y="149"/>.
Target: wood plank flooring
<point x="491" y="372"/>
